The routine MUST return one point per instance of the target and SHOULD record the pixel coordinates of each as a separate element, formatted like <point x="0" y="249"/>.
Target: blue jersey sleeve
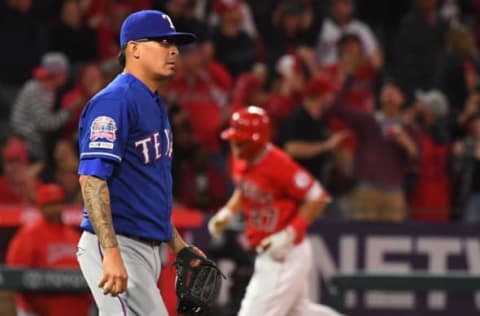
<point x="97" y="167"/>
<point x="104" y="129"/>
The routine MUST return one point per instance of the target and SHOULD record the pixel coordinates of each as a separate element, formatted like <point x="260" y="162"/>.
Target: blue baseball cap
<point x="148" y="24"/>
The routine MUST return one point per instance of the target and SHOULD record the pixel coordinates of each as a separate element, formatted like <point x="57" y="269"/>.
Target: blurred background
<point x="379" y="100"/>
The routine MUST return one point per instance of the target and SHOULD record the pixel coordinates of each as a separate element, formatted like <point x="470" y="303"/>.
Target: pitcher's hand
<point x="114" y="278"/>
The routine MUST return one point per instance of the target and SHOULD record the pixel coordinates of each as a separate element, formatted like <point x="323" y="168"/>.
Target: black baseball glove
<point x="198" y="282"/>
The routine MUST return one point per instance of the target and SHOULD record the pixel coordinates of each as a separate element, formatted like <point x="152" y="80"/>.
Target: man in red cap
<point x="18" y="181"/>
<point x="48" y="244"/>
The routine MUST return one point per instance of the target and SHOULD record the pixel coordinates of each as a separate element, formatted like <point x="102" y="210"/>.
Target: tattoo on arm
<point x="96" y="197"/>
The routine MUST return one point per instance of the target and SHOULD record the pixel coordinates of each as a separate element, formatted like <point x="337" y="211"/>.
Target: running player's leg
<point x="275" y="287"/>
<point x="304" y="306"/>
<point x="142" y="296"/>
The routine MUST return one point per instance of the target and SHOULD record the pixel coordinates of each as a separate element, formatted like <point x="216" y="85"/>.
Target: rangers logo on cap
<point x="103" y="127"/>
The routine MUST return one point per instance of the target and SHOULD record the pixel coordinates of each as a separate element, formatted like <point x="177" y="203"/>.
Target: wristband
<point x="299" y="225"/>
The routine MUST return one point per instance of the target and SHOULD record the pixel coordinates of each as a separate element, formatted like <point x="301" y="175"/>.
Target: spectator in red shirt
<point x="48" y="244"/>
<point x="430" y="199"/>
<point x="19" y="180"/>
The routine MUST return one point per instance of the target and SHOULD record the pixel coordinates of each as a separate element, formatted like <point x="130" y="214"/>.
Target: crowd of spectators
<point x="380" y="100"/>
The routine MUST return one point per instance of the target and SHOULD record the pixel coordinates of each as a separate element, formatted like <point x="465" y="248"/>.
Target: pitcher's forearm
<point x="177" y="242"/>
<point x="96" y="197"/>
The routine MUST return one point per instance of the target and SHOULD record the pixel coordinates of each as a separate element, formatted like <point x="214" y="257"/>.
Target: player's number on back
<point x="264" y="219"/>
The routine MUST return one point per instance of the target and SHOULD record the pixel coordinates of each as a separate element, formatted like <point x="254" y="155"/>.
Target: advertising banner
<point x="396" y="248"/>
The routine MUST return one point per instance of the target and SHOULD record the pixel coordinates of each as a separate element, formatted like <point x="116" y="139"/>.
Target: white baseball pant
<point x="281" y="288"/>
<point x="143" y="266"/>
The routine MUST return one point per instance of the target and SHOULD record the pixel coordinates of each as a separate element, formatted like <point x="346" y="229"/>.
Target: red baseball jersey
<point x="272" y="190"/>
<point x="45" y="245"/>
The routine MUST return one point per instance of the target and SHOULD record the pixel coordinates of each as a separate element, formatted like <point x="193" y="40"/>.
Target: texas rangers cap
<point x="146" y="24"/>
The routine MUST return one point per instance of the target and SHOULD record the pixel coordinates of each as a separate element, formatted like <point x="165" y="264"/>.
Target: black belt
<point x="147" y="241"/>
<point x="150" y="242"/>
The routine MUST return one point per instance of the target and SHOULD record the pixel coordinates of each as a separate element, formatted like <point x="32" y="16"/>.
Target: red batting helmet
<point x="50" y="194"/>
<point x="250" y="124"/>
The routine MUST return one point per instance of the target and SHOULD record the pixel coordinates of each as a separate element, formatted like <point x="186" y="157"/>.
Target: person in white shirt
<point x="340" y="22"/>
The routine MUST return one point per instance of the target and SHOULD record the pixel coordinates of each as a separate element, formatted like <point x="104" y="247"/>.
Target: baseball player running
<point x="125" y="159"/>
<point x="279" y="200"/>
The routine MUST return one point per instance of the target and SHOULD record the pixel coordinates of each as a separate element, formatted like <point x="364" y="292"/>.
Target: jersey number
<point x="264" y="219"/>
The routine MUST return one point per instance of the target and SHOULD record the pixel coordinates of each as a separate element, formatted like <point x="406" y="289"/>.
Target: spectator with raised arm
<point x="388" y="149"/>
